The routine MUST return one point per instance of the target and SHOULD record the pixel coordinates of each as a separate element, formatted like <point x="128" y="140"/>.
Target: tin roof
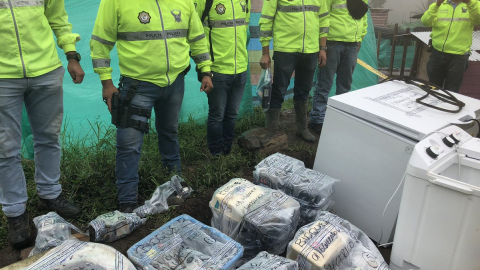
<point x="425" y="37"/>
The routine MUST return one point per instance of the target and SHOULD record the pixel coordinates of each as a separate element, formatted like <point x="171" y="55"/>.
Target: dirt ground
<point x="197" y="206"/>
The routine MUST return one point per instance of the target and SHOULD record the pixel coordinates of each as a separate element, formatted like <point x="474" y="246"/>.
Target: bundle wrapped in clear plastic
<point x="267" y="261"/>
<point x="185" y="243"/>
<point x="313" y="190"/>
<point x="52" y="231"/>
<point x="327" y="245"/>
<point x="74" y="254"/>
<point x="173" y="192"/>
<point x="114" y="225"/>
<point x="259" y="218"/>
<point x="264" y="88"/>
<point x="283" y="162"/>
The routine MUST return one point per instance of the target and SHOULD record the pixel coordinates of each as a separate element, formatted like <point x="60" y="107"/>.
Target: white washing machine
<point x="367" y="139"/>
<point x="438" y="225"/>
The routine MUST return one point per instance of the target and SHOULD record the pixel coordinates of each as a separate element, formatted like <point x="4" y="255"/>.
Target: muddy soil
<point x="197" y="206"/>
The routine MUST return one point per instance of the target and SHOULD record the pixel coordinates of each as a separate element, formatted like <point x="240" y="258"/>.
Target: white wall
<point x="401" y="9"/>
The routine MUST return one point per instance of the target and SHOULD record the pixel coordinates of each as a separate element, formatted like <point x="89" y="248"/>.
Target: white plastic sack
<point x="171" y="193"/>
<point x="325" y="245"/>
<point x="114" y="225"/>
<point x="266" y="261"/>
<point x="74" y="254"/>
<point x="185" y="243"/>
<point x="52" y="231"/>
<point x="264" y="88"/>
<point x="259" y="218"/>
<point x="313" y="190"/>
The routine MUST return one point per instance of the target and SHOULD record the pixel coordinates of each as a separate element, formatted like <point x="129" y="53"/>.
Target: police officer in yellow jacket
<point x="153" y="40"/>
<point x="452" y="22"/>
<point x="295" y="26"/>
<point x="32" y="74"/>
<point x="344" y="38"/>
<point x="225" y="24"/>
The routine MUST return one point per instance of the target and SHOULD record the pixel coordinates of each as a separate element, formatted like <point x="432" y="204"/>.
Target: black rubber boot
<point x="301" y="120"/>
<point x="317" y="128"/>
<point x="19" y="231"/>
<point x="271" y="120"/>
<point x="128" y="207"/>
<point x="60" y="205"/>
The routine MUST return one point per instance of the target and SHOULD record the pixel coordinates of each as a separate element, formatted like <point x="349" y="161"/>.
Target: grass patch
<point x="88" y="169"/>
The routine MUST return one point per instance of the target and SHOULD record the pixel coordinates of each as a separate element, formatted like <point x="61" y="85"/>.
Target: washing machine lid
<point x="471" y="148"/>
<point x="393" y="105"/>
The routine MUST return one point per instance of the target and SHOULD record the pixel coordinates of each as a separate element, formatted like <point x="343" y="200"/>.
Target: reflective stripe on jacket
<point x="452" y="27"/>
<point x="229" y="22"/>
<point x="342" y="26"/>
<point x="153" y="39"/>
<point x="294" y="25"/>
<point x="27" y="44"/>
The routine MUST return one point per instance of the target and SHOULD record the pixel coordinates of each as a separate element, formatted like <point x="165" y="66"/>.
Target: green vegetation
<point x="88" y="169"/>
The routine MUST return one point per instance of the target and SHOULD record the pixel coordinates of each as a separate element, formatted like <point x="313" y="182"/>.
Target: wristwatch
<point x="323" y="48"/>
<point x="75" y="56"/>
<point x="207" y="74"/>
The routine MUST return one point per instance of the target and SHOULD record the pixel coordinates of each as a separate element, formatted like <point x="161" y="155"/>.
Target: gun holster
<point x="430" y="46"/>
<point x="122" y="110"/>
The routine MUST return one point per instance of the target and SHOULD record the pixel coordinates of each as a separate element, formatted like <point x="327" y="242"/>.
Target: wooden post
<point x="416" y="58"/>
<point x="392" y="56"/>
<point x="379" y="39"/>
<point x="406" y="41"/>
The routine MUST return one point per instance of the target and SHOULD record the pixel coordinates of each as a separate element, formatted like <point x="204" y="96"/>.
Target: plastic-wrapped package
<point x="264" y="88"/>
<point x="185" y="243"/>
<point x="283" y="162"/>
<point x="74" y="254"/>
<point x="313" y="190"/>
<point x="114" y="225"/>
<point x="325" y="245"/>
<point x="173" y="192"/>
<point x="52" y="231"/>
<point x="352" y="229"/>
<point x="267" y="261"/>
<point x="259" y="218"/>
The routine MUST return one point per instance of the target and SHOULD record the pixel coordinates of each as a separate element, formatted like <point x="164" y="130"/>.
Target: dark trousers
<point x="303" y="64"/>
<point x="447" y="70"/>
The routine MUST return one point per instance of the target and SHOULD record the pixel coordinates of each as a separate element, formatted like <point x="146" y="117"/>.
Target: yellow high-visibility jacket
<point x="27" y="44"/>
<point x="228" y="21"/>
<point x="295" y="25"/>
<point x="342" y="26"/>
<point x="452" y="28"/>
<point x="153" y="39"/>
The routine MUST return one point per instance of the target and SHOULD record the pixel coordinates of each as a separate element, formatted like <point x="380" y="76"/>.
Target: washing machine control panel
<point x="441" y="143"/>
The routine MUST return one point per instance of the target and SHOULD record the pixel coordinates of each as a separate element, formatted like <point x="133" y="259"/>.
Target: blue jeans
<point x="224" y="102"/>
<point x="166" y="101"/>
<point x="447" y="70"/>
<point x="341" y="60"/>
<point x="43" y="98"/>
<point x="303" y="64"/>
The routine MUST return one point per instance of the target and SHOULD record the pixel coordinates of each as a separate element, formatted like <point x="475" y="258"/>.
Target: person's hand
<point x="440" y="2"/>
<point x="107" y="93"/>
<point x="265" y="61"/>
<point x="322" y="58"/>
<point x="207" y="85"/>
<point x="75" y="71"/>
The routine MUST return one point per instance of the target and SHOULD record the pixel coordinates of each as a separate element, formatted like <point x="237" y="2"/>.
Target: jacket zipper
<point x="18" y="39"/>
<point x="448" y="33"/>
<point x="235" y="29"/>
<point x="304" y="25"/>
<point x="165" y="38"/>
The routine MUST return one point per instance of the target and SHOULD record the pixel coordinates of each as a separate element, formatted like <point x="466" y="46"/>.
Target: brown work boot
<point x="60" y="205"/>
<point x="301" y="120"/>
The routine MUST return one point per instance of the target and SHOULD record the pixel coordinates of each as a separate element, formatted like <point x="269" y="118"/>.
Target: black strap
<point x="208" y="7"/>
<point x="140" y="112"/>
<point x="131" y="92"/>
<point x="138" y="125"/>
